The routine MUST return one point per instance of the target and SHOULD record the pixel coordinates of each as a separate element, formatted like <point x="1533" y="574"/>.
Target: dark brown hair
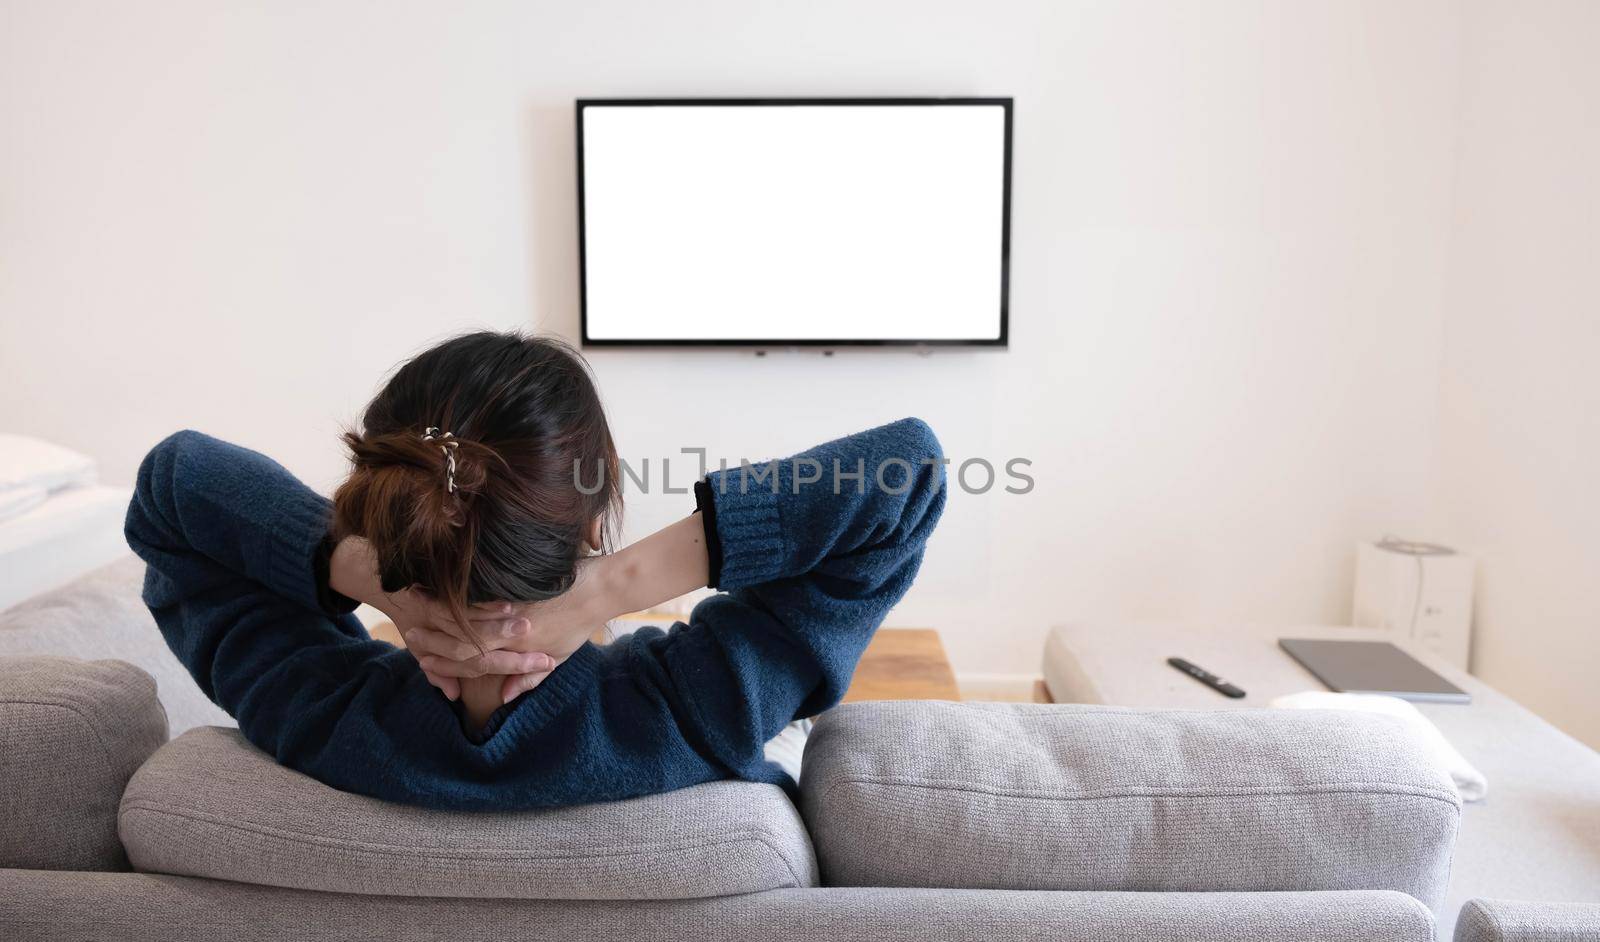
<point x="535" y="467"/>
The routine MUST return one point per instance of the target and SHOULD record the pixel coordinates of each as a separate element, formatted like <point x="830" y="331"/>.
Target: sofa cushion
<point x="139" y="907"/>
<point x="209" y="804"/>
<point x="71" y="733"/>
<point x="1033" y="796"/>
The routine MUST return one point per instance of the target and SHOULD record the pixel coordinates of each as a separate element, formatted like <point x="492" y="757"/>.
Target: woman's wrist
<point x="657" y="569"/>
<point x="601" y="588"/>
<point x="353" y="572"/>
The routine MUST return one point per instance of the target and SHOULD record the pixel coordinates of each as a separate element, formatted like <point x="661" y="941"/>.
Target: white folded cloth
<point x="1469" y="782"/>
<point x="16" y="501"/>
<point x="32" y="469"/>
<point x="789" y="746"/>
<point x="34" y="462"/>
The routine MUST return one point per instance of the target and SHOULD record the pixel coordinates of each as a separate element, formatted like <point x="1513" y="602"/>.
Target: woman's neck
<point x="480" y="697"/>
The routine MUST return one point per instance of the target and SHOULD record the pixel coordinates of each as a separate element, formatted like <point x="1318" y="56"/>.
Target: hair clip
<point x="447" y="444"/>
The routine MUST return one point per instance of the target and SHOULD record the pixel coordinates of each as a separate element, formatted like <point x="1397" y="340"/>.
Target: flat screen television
<point x="794" y="221"/>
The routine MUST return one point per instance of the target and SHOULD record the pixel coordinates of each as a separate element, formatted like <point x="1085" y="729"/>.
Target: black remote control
<point x="1206" y="677"/>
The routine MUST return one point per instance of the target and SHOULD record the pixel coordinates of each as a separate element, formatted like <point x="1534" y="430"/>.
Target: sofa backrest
<point x="1048" y="797"/>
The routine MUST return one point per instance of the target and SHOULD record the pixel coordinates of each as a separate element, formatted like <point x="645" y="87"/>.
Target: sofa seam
<point x="1423" y="913"/>
<point x="389" y="850"/>
<point x="1354" y="788"/>
<point x="1450" y="864"/>
<point x="794" y="876"/>
<point x="1495" y="921"/>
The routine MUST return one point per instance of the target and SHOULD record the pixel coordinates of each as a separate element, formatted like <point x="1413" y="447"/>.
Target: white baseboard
<point x="1009" y="688"/>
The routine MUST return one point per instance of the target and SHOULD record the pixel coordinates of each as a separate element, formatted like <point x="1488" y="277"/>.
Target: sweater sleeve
<point x="815" y="550"/>
<point x="229" y="538"/>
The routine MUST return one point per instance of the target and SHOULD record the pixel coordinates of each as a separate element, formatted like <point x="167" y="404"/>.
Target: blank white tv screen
<point x="794" y="221"/>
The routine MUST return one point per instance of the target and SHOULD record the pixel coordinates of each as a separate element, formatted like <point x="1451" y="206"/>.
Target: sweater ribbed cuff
<point x="329" y="600"/>
<point x="749" y="528"/>
<point x="706" y="506"/>
<point x="298" y="524"/>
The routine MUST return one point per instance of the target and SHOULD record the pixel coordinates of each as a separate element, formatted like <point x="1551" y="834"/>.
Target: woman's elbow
<point x="161" y="461"/>
<point x="153" y="491"/>
<point x="914" y="469"/>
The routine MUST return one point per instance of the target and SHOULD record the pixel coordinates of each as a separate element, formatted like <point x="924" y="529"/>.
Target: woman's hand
<point x="553" y="628"/>
<point x="429" y="627"/>
<point x="659" y="567"/>
<point x="447" y="654"/>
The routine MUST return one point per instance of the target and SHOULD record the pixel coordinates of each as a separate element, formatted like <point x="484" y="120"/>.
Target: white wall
<point x="1228" y="256"/>
<point x="1520" y="416"/>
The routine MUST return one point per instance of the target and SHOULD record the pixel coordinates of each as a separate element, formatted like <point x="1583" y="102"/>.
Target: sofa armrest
<point x="1046" y="797"/>
<point x="1504" y="920"/>
<point x="71" y="733"/>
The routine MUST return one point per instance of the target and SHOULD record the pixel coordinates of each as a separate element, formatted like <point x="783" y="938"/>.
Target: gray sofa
<point x="918" y="820"/>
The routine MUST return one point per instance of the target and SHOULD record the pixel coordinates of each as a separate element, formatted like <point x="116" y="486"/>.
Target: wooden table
<point x="904" y="664"/>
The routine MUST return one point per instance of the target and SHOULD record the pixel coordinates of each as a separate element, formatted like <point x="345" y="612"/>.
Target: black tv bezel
<point x="1000" y="342"/>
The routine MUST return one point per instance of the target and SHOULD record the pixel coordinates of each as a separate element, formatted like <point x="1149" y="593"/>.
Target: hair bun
<point x="398" y="496"/>
<point x="454" y="466"/>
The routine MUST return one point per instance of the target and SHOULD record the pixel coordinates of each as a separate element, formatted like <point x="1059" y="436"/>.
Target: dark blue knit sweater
<point x="809" y="571"/>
